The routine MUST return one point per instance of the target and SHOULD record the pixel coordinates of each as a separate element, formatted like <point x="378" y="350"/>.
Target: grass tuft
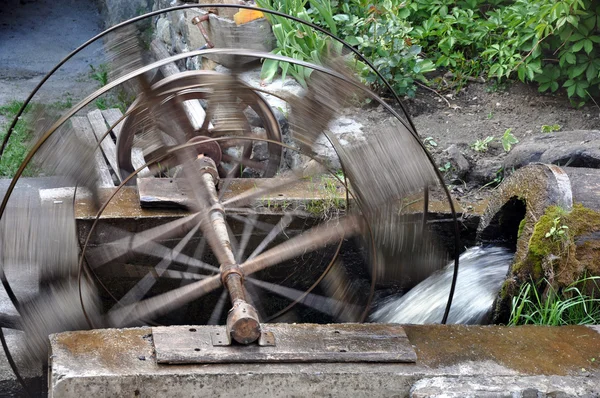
<point x="16" y="150"/>
<point x="572" y="305"/>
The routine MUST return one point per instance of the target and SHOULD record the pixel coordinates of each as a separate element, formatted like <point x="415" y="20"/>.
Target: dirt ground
<point x="35" y="36"/>
<point x="477" y="112"/>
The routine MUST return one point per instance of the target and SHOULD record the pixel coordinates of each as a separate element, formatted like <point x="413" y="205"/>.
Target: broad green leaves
<point x="554" y="43"/>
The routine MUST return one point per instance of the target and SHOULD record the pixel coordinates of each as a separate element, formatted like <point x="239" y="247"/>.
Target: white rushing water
<point x="481" y="273"/>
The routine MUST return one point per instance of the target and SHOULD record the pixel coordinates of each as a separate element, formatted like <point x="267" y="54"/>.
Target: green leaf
<point x="588" y="46"/>
<point x="576" y="37"/>
<point x="581" y="88"/>
<point x="572" y="20"/>
<point x="284" y="69"/>
<point x="530" y="73"/>
<point x="577" y="46"/>
<point x="325" y="14"/>
<point x="591" y="72"/>
<point x="443" y="11"/>
<point x="521" y="73"/>
<point x="341" y="18"/>
<point x="269" y="69"/>
<point x="544" y="87"/>
<point x="427" y="66"/>
<point x="404" y="13"/>
<point x="577" y="70"/>
<point x="352" y="40"/>
<point x="508" y="140"/>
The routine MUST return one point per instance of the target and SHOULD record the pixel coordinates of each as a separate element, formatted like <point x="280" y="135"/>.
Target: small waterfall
<point x="481" y="272"/>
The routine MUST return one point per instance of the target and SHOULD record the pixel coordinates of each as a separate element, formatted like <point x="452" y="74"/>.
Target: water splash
<point x="481" y="273"/>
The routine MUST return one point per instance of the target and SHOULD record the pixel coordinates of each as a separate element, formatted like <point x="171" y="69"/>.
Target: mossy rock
<point x="558" y="258"/>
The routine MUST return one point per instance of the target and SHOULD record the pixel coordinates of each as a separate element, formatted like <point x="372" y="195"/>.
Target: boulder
<point x="579" y="148"/>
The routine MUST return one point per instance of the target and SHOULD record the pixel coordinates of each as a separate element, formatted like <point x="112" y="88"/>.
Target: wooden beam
<point x="137" y="156"/>
<point x="107" y="145"/>
<point x="84" y="131"/>
<point x="192" y="108"/>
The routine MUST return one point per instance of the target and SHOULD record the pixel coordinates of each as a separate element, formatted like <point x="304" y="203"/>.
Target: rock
<point x="485" y="170"/>
<point x="458" y="160"/>
<point x="256" y="121"/>
<point x="163" y="30"/>
<point x="580" y="148"/>
<point x="260" y="149"/>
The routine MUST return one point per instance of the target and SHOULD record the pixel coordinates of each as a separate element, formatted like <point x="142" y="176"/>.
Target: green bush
<point x="552" y="43"/>
<point x="296" y="40"/>
<point x="555" y="44"/>
<point x="377" y="31"/>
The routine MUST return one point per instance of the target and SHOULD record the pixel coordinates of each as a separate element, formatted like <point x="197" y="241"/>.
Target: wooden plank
<point x="175" y="193"/>
<point x="137" y="156"/>
<point x="192" y="108"/>
<point x="111" y="116"/>
<point x="344" y="342"/>
<point x="84" y="131"/>
<point x="165" y="193"/>
<point x="107" y="145"/>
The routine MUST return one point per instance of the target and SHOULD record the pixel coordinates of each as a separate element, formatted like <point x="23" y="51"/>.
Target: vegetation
<point x="559" y="261"/>
<point x="120" y="100"/>
<point x="572" y="305"/>
<point x="295" y="40"/>
<point x="554" y="43"/>
<point x="557" y="230"/>
<point x="482" y="145"/>
<point x="16" y="150"/>
<point x="546" y="128"/>
<point x="99" y="74"/>
<point x="508" y="140"/>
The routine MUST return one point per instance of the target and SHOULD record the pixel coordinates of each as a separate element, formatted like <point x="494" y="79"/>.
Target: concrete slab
<point x="453" y="361"/>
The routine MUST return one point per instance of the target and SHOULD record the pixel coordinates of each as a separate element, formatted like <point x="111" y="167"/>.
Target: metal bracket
<point x="295" y="343"/>
<point x="220" y="339"/>
<point x="267" y="339"/>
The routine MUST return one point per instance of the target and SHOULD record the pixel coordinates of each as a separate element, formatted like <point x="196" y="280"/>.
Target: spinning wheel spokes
<point x="264" y="259"/>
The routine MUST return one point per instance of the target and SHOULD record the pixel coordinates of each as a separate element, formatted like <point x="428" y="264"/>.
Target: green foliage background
<point x="555" y="44"/>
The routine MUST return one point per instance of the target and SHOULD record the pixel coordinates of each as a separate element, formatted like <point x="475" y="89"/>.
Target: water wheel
<point x="238" y="253"/>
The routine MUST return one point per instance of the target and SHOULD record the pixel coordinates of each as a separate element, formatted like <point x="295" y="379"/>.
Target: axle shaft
<point x="243" y="324"/>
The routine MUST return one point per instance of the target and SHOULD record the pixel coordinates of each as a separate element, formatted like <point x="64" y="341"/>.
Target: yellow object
<point x="244" y="16"/>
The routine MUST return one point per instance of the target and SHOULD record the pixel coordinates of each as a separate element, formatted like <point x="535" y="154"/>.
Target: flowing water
<point x="481" y="272"/>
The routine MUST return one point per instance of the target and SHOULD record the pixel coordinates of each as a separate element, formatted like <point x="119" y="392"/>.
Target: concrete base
<point x="453" y="361"/>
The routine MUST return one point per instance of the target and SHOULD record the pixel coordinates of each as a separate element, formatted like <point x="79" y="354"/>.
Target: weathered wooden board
<point x="112" y="116"/>
<point x="174" y="193"/>
<point x="163" y="193"/>
<point x="192" y="108"/>
<point x="108" y="146"/>
<point x="84" y="131"/>
<point x="293" y="343"/>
